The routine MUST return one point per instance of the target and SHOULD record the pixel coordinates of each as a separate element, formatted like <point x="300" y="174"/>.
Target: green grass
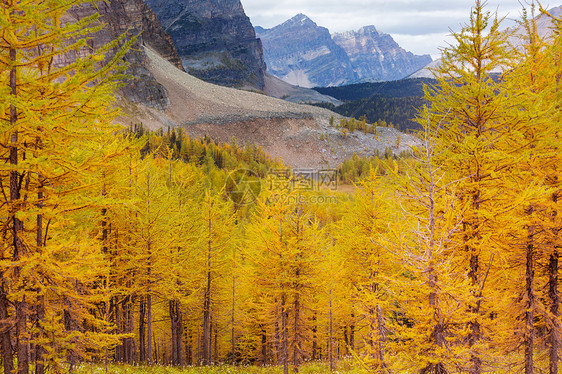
<point x="343" y="367"/>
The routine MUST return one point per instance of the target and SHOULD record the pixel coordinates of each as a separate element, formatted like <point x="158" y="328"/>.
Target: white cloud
<point x="420" y="26"/>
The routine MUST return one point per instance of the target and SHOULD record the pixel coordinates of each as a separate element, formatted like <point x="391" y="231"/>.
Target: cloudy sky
<point x="420" y="26"/>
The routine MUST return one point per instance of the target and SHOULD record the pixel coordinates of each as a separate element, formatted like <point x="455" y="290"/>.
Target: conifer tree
<point x="554" y="202"/>
<point x="368" y="265"/>
<point x="474" y="108"/>
<point x="217" y="225"/>
<point x="283" y="248"/>
<point x="54" y="120"/>
<point x="535" y="78"/>
<point x="429" y="289"/>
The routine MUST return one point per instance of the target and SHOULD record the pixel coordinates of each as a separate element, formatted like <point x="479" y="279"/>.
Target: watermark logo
<point x="285" y="180"/>
<point x="243" y="186"/>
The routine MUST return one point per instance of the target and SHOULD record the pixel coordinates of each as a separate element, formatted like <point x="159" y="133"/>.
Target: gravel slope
<point x="299" y="134"/>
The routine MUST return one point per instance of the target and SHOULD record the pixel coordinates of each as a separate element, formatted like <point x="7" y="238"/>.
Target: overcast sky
<point x="419" y="26"/>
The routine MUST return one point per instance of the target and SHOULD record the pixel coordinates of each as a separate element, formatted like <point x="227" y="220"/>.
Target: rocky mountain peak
<point x="370" y="29"/>
<point x="376" y="56"/>
<point x="300" y="20"/>
<point x="303" y="53"/>
<point x="362" y="32"/>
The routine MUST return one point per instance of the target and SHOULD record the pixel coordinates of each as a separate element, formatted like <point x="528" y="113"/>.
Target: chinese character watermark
<point x="244" y="186"/>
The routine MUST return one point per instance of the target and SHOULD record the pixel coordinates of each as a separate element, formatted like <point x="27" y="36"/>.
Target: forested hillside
<point x="395" y="102"/>
<point x="400" y="88"/>
<point x="123" y="246"/>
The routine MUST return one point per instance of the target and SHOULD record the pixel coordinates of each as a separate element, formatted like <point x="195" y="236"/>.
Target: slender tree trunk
<point x="17" y="228"/>
<point x="39" y="350"/>
<point x="179" y="337"/>
<point x="475" y="330"/>
<point x="297" y="344"/>
<point x="206" y="347"/>
<point x="314" y="338"/>
<point x="331" y="345"/>
<point x="69" y="326"/>
<point x="381" y="337"/>
<point x="129" y="347"/>
<point x="278" y="347"/>
<point x="264" y="359"/>
<point x="177" y="332"/>
<point x="554" y="337"/>
<point x="142" y="332"/>
<point x="345" y="340"/>
<point x="232" y="329"/>
<point x="530" y="302"/>
<point x="554" y="299"/>
<point x="352" y="332"/>
<point x="173" y="328"/>
<point x="5" y="334"/>
<point x="40" y="307"/>
<point x="470" y="229"/>
<point x="284" y="336"/>
<point x="438" y="334"/>
<point x="149" y="353"/>
<point x="206" y="343"/>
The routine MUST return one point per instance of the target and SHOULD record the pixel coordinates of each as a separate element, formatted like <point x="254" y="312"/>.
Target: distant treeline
<point x="395" y="102"/>
<point x="400" y="88"/>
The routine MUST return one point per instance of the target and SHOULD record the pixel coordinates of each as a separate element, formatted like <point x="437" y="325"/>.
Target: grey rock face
<point x="376" y="56"/>
<point x="302" y="53"/>
<point x="132" y="17"/>
<point x="215" y="40"/>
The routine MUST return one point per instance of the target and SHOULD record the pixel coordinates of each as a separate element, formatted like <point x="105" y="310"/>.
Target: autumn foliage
<point x="122" y="245"/>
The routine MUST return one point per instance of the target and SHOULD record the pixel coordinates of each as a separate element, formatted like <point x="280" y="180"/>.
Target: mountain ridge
<point x="366" y="44"/>
<point x="302" y="53"/>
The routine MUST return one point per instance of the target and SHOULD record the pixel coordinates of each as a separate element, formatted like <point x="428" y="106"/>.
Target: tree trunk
<point x="142" y="332"/>
<point x="129" y="315"/>
<point x="69" y="326"/>
<point x="17" y="228"/>
<point x="39" y="350"/>
<point x="284" y="336"/>
<point x="314" y="337"/>
<point x="177" y="332"/>
<point x="554" y="299"/>
<point x="206" y="346"/>
<point x="264" y="359"/>
<point x="381" y="337"/>
<point x="297" y="344"/>
<point x="554" y="305"/>
<point x="331" y="345"/>
<point x="40" y="307"/>
<point x="278" y="347"/>
<point x="232" y="330"/>
<point x="352" y="332"/>
<point x="474" y="326"/>
<point x="530" y="304"/>
<point x="5" y="333"/>
<point x="149" y="353"/>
